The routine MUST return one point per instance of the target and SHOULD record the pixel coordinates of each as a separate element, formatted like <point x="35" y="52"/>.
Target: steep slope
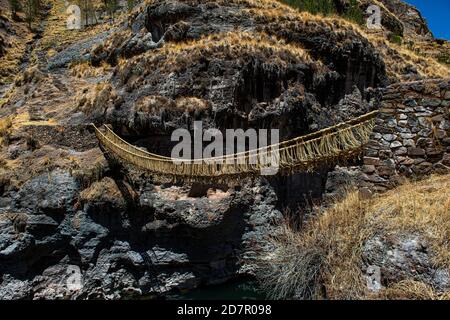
<point x="394" y="246"/>
<point x="15" y="40"/>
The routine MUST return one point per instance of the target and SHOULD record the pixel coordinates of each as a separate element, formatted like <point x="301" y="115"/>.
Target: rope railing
<point x="304" y="153"/>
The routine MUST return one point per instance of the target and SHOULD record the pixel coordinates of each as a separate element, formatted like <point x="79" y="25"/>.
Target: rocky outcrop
<point x="411" y="137"/>
<point x="4" y="30"/>
<point x="110" y="241"/>
<point x="413" y="22"/>
<point x="391" y="259"/>
<point x="76" y="53"/>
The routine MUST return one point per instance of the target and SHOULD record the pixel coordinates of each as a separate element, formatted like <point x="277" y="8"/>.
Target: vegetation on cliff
<point x="331" y="256"/>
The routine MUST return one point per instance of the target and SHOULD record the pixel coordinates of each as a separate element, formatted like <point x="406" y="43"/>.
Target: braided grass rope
<point x="305" y="153"/>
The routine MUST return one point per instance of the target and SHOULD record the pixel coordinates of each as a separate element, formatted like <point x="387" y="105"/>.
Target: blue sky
<point x="437" y="13"/>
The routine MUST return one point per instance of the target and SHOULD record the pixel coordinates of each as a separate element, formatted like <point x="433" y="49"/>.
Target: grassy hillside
<point x="328" y="258"/>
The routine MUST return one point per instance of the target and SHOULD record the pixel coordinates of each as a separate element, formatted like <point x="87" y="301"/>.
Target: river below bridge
<point x="243" y="289"/>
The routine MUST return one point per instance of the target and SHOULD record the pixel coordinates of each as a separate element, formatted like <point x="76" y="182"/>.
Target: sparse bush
<point x="354" y="13"/>
<point x="32" y="8"/>
<point x="15" y="7"/>
<point x="5" y="130"/>
<point x="130" y="4"/>
<point x="325" y="7"/>
<point x="325" y="259"/>
<point x="32" y="144"/>
<point x="395" y="38"/>
<point x="87" y="8"/>
<point x="444" y="58"/>
<point x="293" y="271"/>
<point x="111" y="7"/>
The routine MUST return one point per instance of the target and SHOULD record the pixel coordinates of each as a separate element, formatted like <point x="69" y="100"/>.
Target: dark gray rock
<point x="77" y="52"/>
<point x="52" y="193"/>
<point x="403" y="257"/>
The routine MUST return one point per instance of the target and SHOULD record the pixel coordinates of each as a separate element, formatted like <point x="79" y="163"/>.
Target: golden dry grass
<point x="398" y="58"/>
<point x="56" y="36"/>
<point x="85" y="69"/>
<point x="5" y="129"/>
<point x="17" y="40"/>
<point x="333" y="242"/>
<point x="237" y="45"/>
<point x="422" y="207"/>
<point x="233" y="45"/>
<point x="103" y="190"/>
<point x="154" y="104"/>
<point x="411" y="290"/>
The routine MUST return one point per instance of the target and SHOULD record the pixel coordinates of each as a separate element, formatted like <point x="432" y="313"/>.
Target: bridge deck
<point x="305" y="153"/>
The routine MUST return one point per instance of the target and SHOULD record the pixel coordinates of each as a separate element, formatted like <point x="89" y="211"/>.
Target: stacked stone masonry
<point x="411" y="137"/>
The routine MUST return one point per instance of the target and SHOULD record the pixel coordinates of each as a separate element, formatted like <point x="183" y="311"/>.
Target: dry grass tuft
<point x="175" y="57"/>
<point x="400" y="60"/>
<point x="86" y="167"/>
<point x="5" y="129"/>
<point x="85" y="69"/>
<point x="333" y="243"/>
<point x="422" y="207"/>
<point x="105" y="190"/>
<point x="57" y="37"/>
<point x="155" y="104"/>
<point x="411" y="290"/>
<point x="98" y="100"/>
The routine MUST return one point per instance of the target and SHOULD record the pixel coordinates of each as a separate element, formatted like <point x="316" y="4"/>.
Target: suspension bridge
<point x="302" y="154"/>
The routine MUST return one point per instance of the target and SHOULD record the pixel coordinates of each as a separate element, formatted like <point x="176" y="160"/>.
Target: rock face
<point x="112" y="242"/>
<point x="413" y="22"/>
<point x="215" y="63"/>
<point x="253" y="90"/>
<point x="411" y="136"/>
<point x="390" y="260"/>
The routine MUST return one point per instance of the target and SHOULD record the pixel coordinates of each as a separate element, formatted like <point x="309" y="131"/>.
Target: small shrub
<point x="354" y="13"/>
<point x="395" y="38"/>
<point x="3" y="163"/>
<point x="444" y="58"/>
<point x="32" y="144"/>
<point x="5" y="129"/>
<point x="325" y="7"/>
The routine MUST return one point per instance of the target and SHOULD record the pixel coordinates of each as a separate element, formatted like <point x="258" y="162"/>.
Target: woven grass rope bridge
<point x="302" y="154"/>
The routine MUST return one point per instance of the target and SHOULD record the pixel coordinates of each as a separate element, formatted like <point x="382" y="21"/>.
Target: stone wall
<point x="411" y="137"/>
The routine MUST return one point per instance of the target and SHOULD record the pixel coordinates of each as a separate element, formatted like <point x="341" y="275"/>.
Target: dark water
<point x="236" y="290"/>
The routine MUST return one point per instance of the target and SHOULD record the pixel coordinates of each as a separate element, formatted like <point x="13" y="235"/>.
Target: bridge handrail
<point x="303" y="152"/>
